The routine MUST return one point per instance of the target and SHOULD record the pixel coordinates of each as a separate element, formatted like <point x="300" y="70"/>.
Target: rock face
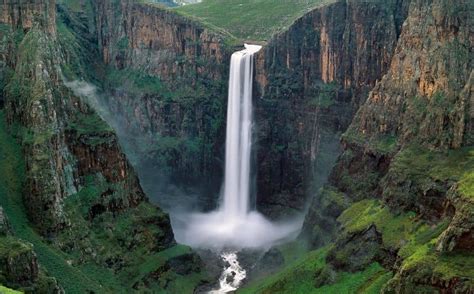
<point x="136" y="35"/>
<point x="78" y="184"/>
<point x="19" y="265"/>
<point x="311" y="79"/>
<point x="308" y="84"/>
<point x="25" y="14"/>
<point x="176" y="126"/>
<point x="410" y="145"/>
<point x="56" y="163"/>
<point x="423" y="100"/>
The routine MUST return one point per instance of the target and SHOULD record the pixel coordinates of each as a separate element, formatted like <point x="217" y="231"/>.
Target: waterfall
<point x="235" y="224"/>
<point x="239" y="133"/>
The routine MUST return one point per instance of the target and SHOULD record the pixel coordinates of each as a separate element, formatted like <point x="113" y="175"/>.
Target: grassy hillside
<point x="11" y="182"/>
<point x="250" y="20"/>
<point x="301" y="277"/>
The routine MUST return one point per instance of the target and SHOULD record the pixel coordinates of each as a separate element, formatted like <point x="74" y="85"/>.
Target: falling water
<point x="235" y="224"/>
<point x="239" y="133"/>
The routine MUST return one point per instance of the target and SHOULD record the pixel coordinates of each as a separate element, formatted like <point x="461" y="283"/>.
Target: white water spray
<point x="232" y="276"/>
<point x="236" y="224"/>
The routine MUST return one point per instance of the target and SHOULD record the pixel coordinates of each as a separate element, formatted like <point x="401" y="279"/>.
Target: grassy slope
<point x="299" y="277"/>
<point x="80" y="279"/>
<point x="250" y="20"/>
<point x="5" y="290"/>
<point x="415" y="239"/>
<point x="11" y="182"/>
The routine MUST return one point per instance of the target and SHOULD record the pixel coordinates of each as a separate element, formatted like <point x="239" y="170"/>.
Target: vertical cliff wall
<point x="312" y="78"/>
<point x="25" y="14"/>
<point x="167" y="79"/>
<point x="408" y="159"/>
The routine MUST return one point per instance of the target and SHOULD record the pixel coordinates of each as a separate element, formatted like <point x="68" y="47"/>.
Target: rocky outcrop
<point x="19" y="266"/>
<point x="79" y="184"/>
<point x="311" y="79"/>
<point x="422" y="98"/>
<point x="64" y="141"/>
<point x="459" y="236"/>
<point x="26" y="14"/>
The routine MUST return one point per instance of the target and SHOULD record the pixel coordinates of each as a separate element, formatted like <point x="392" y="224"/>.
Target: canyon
<point x="114" y="122"/>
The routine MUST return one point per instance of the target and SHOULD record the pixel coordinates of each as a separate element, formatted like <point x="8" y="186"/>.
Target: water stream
<point x="235" y="224"/>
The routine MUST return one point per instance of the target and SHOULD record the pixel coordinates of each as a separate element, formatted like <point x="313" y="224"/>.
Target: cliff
<point x="167" y="75"/>
<point x="309" y="87"/>
<point x="409" y="147"/>
<point x="311" y="80"/>
<point x="77" y="182"/>
<point x="26" y="14"/>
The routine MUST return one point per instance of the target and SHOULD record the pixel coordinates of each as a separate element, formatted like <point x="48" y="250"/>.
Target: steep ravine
<point x="167" y="76"/>
<point x="394" y="215"/>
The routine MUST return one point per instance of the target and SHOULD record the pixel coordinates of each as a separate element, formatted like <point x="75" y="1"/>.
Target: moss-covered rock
<point x="320" y="223"/>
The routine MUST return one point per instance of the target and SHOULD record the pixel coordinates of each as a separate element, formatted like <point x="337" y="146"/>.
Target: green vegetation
<point x="385" y="144"/>
<point x="302" y="275"/>
<point x="92" y="126"/>
<point x="136" y="82"/>
<point x="5" y="290"/>
<point x="11" y="183"/>
<point x="395" y="229"/>
<point x="250" y="20"/>
<point x="422" y="164"/>
<point x="415" y="240"/>
<point x="89" y="276"/>
<point x="323" y="94"/>
<point x="427" y="169"/>
<point x="466" y="184"/>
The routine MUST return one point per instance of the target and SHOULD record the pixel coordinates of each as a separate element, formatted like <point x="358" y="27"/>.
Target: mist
<point x="216" y="231"/>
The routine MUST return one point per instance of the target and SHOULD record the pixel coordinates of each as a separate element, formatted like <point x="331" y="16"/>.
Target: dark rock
<point x="185" y="264"/>
<point x="355" y="251"/>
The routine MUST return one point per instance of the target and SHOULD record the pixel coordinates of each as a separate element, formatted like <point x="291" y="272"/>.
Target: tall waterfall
<point x="239" y="133"/>
<point x="235" y="224"/>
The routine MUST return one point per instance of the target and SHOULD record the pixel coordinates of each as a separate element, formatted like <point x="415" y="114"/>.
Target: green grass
<point x="5" y="290"/>
<point x="439" y="166"/>
<point x="422" y="167"/>
<point x="86" y="124"/>
<point x="385" y="144"/>
<point x="300" y="277"/>
<point x="295" y="278"/>
<point x="415" y="240"/>
<point x="395" y="229"/>
<point x="356" y="282"/>
<point x="250" y="20"/>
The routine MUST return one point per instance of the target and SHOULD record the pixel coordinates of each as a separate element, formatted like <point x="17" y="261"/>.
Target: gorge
<point x="336" y="156"/>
